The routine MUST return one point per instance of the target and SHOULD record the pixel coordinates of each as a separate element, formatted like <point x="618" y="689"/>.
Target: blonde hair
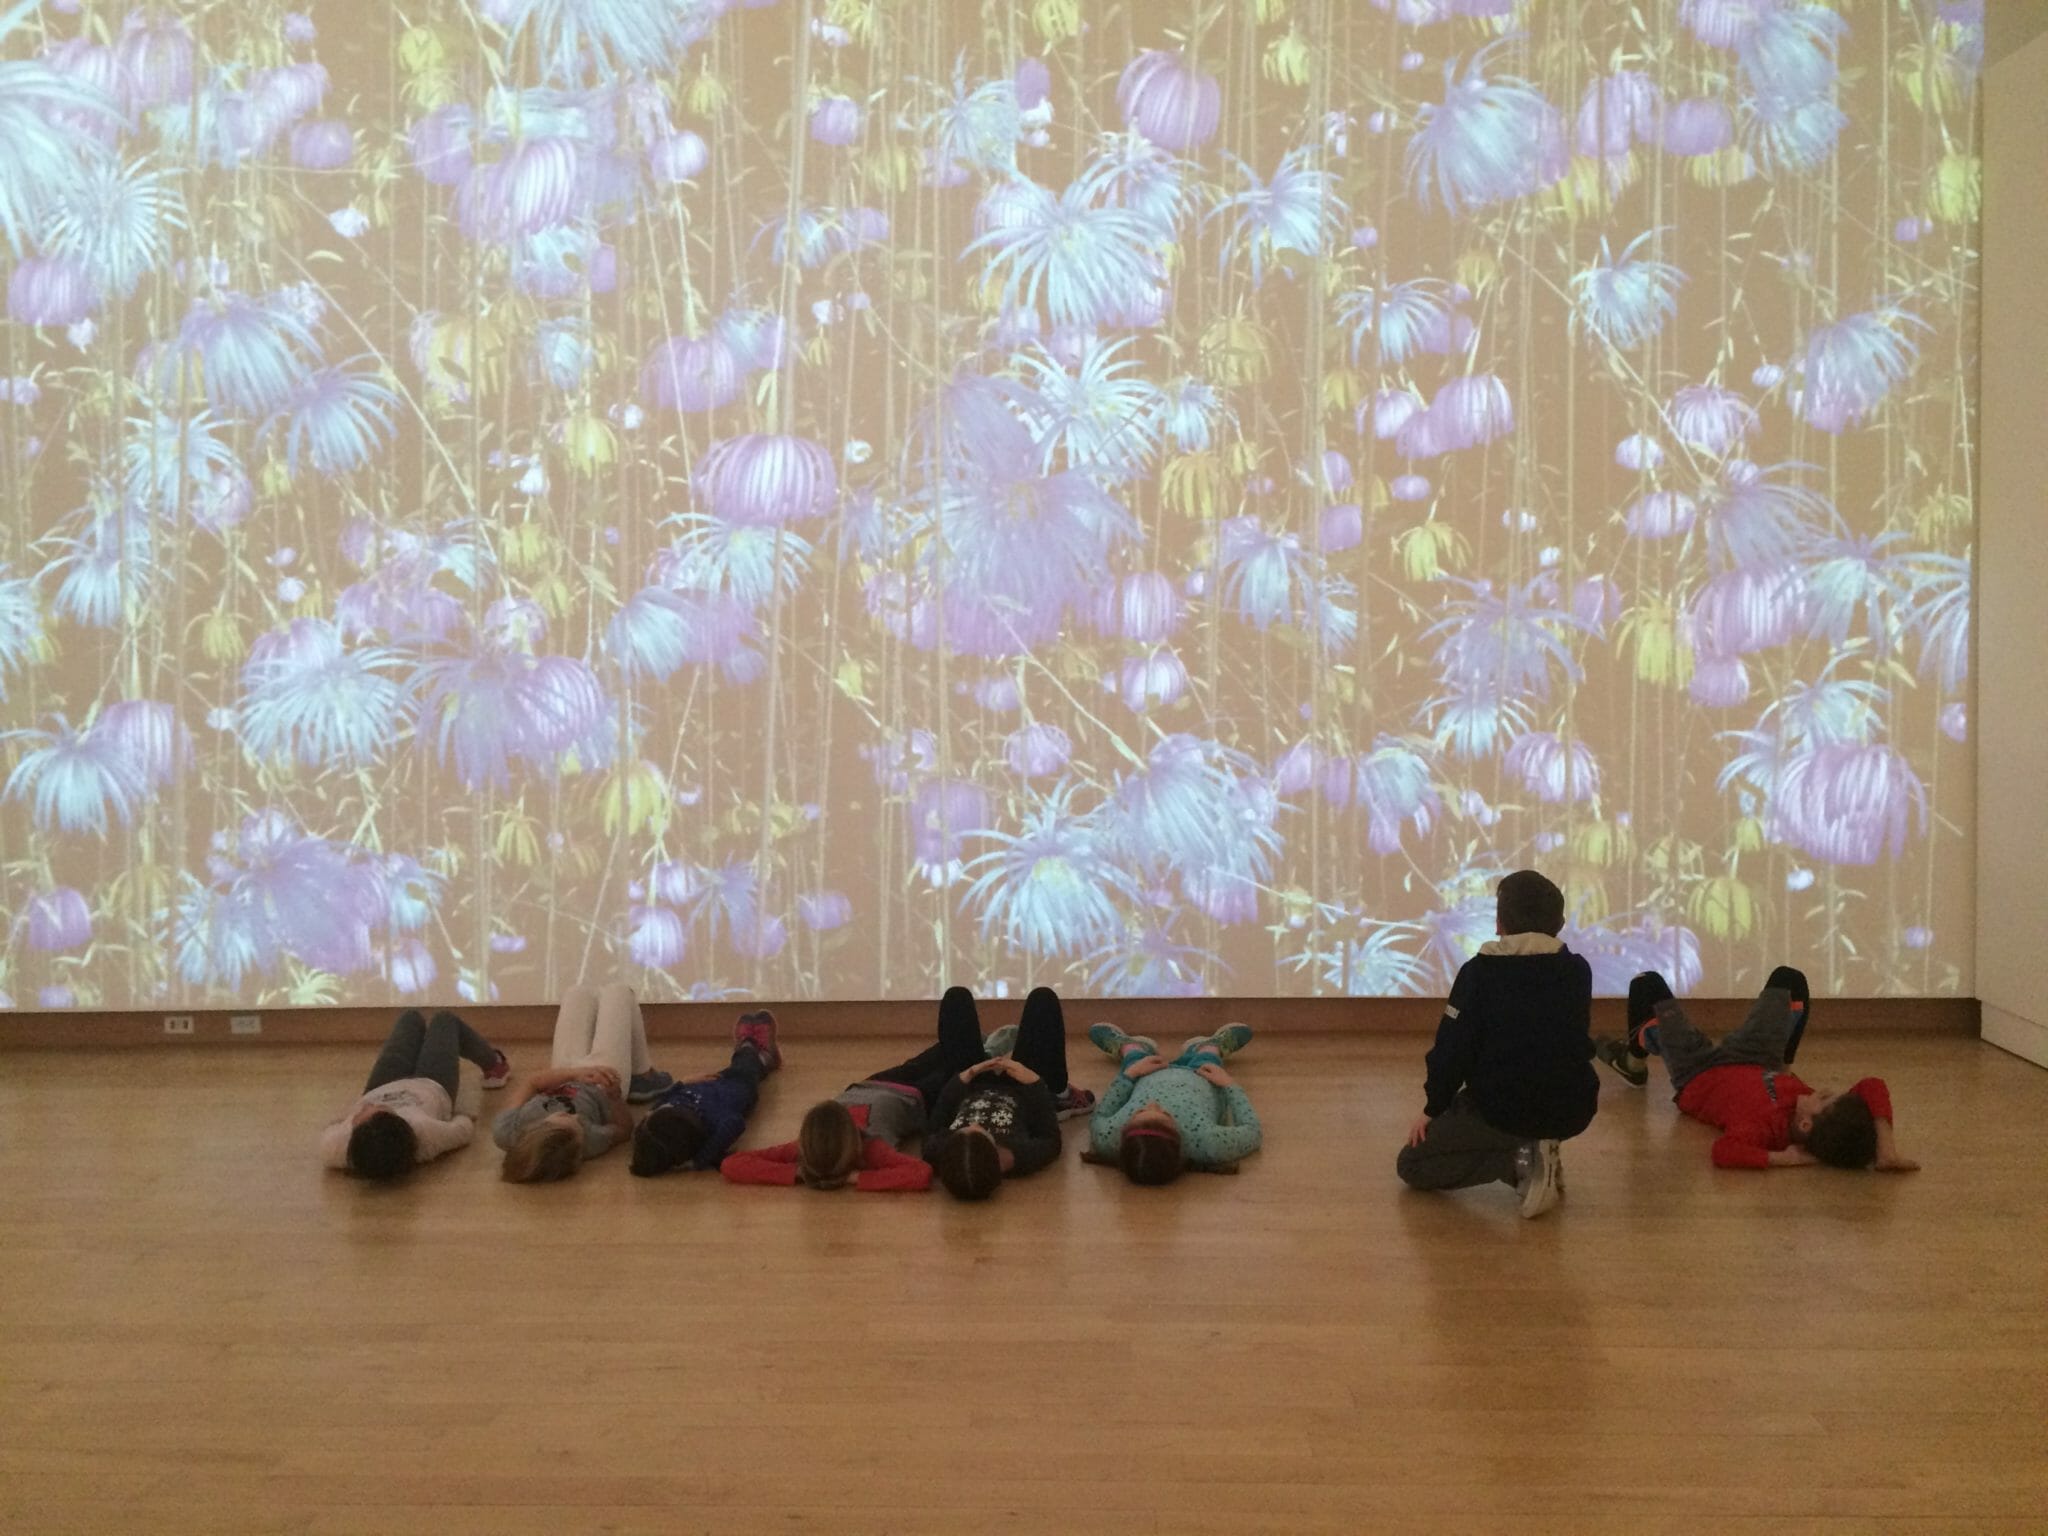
<point x="828" y="1146"/>
<point x="545" y="1153"/>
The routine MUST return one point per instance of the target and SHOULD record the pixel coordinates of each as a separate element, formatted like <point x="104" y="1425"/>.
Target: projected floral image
<point x="840" y="497"/>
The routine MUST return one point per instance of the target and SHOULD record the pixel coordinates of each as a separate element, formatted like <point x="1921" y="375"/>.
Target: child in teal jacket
<point x="1160" y="1117"/>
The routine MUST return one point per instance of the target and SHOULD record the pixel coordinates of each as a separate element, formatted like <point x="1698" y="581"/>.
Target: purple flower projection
<point x="1172" y="103"/>
<point x="765" y="480"/>
<point x="58" y="920"/>
<point x="837" y="120"/>
<point x="644" y="487"/>
<point x="51" y="290"/>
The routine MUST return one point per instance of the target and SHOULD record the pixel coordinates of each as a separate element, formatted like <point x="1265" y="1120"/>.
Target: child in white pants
<point x="577" y="1108"/>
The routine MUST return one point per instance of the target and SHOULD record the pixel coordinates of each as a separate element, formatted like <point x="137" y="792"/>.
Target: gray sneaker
<point x="1000" y="1043"/>
<point x="1539" y="1177"/>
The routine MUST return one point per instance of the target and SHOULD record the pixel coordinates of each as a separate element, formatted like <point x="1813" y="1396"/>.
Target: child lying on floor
<point x="1744" y="1086"/>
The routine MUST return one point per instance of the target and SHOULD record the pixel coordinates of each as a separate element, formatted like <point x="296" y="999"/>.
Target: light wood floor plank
<point x="200" y="1331"/>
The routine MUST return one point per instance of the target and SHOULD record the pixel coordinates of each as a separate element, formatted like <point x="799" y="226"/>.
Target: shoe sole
<point x="1544" y="1193"/>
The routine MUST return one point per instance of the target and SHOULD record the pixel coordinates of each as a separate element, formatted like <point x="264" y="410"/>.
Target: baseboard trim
<point x="1166" y="1018"/>
<point x="2024" y="1038"/>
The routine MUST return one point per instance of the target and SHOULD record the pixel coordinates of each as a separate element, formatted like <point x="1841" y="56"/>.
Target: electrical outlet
<point x="245" y="1024"/>
<point x="177" y="1023"/>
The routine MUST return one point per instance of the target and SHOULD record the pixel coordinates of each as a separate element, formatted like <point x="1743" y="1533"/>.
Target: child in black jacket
<point x="1511" y="1073"/>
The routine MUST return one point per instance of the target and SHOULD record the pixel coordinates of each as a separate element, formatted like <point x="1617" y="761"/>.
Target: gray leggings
<point x="416" y="1048"/>
<point x="1767" y="1039"/>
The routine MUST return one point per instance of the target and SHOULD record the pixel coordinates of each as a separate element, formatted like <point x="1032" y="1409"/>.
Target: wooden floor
<point x="202" y="1332"/>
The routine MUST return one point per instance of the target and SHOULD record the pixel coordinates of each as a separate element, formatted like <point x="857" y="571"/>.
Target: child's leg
<point x="400" y="1054"/>
<point x="746" y="1067"/>
<point x="957" y="1048"/>
<point x="1763" y="1038"/>
<point x="575" y="1027"/>
<point x="1042" y="1039"/>
<point x="471" y="1045"/>
<point x="620" y="1038"/>
<point x="1672" y="1035"/>
<point x="1459" y="1151"/>
<point x="439" y="1058"/>
<point x="959" y="1030"/>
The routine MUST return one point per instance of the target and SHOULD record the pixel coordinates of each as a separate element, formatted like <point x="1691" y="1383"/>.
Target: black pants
<point x="417" y="1048"/>
<point x="1041" y="1045"/>
<point x="747" y="1069"/>
<point x="1460" y="1150"/>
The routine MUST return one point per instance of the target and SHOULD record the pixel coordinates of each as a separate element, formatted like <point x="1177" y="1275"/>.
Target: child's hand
<point x="1418" y="1130"/>
<point x="1213" y="1072"/>
<point x="1016" y="1073"/>
<point x="1144" y="1066"/>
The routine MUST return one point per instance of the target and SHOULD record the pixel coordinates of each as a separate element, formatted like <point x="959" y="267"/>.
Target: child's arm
<point x="505" y="1127"/>
<point x="1889" y="1158"/>
<point x="1106" y="1124"/>
<point x="765" y="1165"/>
<point x="1237" y="1132"/>
<point x="433" y="1137"/>
<point x="883" y="1168"/>
<point x="1039" y="1143"/>
<point x="723" y="1135"/>
<point x="947" y="1105"/>
<point x="1449" y="1063"/>
<point x="1746" y="1146"/>
<point x="541" y="1082"/>
<point x="334" y="1143"/>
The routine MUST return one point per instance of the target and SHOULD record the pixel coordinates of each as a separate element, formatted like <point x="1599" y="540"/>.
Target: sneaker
<point x="1536" y="1178"/>
<point x="1110" y="1040"/>
<point x="648" y="1086"/>
<point x="1001" y="1043"/>
<point x="498" y="1073"/>
<point x="1630" y="1068"/>
<point x="758" y="1030"/>
<point x="1075" y="1102"/>
<point x="1232" y="1038"/>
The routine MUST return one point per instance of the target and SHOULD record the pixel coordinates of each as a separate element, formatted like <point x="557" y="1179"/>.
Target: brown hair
<point x="1151" y="1154"/>
<point x="827" y="1146"/>
<point x="667" y="1138"/>
<point x="1528" y="903"/>
<point x="545" y="1153"/>
<point x="969" y="1165"/>
<point x="382" y="1147"/>
<point x="1844" y="1135"/>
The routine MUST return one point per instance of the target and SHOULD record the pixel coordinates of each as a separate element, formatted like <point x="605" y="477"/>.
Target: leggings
<point x="418" y="1048"/>
<point x="601" y="1029"/>
<point x="1041" y="1045"/>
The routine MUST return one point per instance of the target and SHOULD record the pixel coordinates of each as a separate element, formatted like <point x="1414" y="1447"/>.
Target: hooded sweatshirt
<point x="1517" y="1033"/>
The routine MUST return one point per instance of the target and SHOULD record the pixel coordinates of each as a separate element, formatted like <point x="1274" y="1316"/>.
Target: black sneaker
<point x="1629" y="1067"/>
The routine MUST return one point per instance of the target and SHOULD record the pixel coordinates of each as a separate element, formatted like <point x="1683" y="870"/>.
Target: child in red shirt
<point x="1744" y="1086"/>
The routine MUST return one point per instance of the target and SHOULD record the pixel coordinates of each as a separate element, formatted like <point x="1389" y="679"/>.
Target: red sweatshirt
<point x="882" y="1166"/>
<point x="1752" y="1109"/>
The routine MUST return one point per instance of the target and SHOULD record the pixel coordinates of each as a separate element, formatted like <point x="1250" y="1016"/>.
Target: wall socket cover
<point x="177" y="1023"/>
<point x="246" y="1024"/>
